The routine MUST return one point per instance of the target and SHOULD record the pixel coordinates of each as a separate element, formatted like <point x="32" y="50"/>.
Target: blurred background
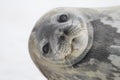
<point x="17" y="18"/>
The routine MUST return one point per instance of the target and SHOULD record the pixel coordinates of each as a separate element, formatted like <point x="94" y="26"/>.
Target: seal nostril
<point x="62" y="38"/>
<point x="66" y="32"/>
<point x="74" y="39"/>
<point x="60" y="30"/>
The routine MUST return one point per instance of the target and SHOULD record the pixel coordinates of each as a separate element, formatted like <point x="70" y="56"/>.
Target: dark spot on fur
<point x="96" y="78"/>
<point x="108" y="18"/>
<point x="115" y="51"/>
<point x="82" y="77"/>
<point x="103" y="38"/>
<point x="117" y="41"/>
<point x="110" y="76"/>
<point x="116" y="71"/>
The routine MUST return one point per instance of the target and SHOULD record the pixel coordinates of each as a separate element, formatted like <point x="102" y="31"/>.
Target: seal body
<point x="77" y="44"/>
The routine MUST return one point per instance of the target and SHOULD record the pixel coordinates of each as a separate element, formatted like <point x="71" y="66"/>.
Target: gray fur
<point x="100" y="59"/>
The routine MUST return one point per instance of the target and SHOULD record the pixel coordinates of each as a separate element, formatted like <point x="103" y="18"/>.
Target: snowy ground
<point x="17" y="18"/>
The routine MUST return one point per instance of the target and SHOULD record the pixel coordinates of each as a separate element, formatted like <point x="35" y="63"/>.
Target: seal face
<point x="63" y="37"/>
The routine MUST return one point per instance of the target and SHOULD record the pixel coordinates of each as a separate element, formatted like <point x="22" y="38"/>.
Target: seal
<point x="77" y="44"/>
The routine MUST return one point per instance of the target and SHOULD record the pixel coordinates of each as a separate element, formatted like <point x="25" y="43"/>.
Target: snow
<point x="17" y="18"/>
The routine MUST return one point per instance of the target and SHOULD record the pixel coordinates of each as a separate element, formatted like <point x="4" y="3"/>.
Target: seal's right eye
<point x="62" y="18"/>
<point x="46" y="48"/>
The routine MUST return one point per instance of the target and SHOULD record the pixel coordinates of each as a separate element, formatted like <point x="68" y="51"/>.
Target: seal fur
<point x="95" y="62"/>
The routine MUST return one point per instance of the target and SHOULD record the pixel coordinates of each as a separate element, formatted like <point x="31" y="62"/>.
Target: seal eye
<point x="62" y="18"/>
<point x="46" y="48"/>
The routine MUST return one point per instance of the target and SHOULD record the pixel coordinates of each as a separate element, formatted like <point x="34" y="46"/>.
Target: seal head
<point x="63" y="36"/>
<point x="61" y="39"/>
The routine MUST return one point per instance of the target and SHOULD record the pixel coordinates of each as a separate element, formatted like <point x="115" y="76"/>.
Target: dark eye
<point x="62" y="18"/>
<point x="46" y="48"/>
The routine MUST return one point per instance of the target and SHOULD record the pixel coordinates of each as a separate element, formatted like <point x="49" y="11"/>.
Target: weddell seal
<point x="77" y="44"/>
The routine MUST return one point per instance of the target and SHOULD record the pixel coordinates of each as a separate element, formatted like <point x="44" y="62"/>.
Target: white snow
<point x="17" y="18"/>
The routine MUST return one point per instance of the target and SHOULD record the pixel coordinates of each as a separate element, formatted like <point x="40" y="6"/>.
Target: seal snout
<point x="67" y="38"/>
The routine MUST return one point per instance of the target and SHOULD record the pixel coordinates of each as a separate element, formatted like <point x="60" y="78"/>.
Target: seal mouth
<point x="72" y="47"/>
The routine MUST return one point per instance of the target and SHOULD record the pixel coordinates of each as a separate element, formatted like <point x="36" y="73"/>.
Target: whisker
<point x="69" y="62"/>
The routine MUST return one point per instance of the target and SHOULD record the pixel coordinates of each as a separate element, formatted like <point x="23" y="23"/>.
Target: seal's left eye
<point x="46" y="48"/>
<point x="62" y="18"/>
